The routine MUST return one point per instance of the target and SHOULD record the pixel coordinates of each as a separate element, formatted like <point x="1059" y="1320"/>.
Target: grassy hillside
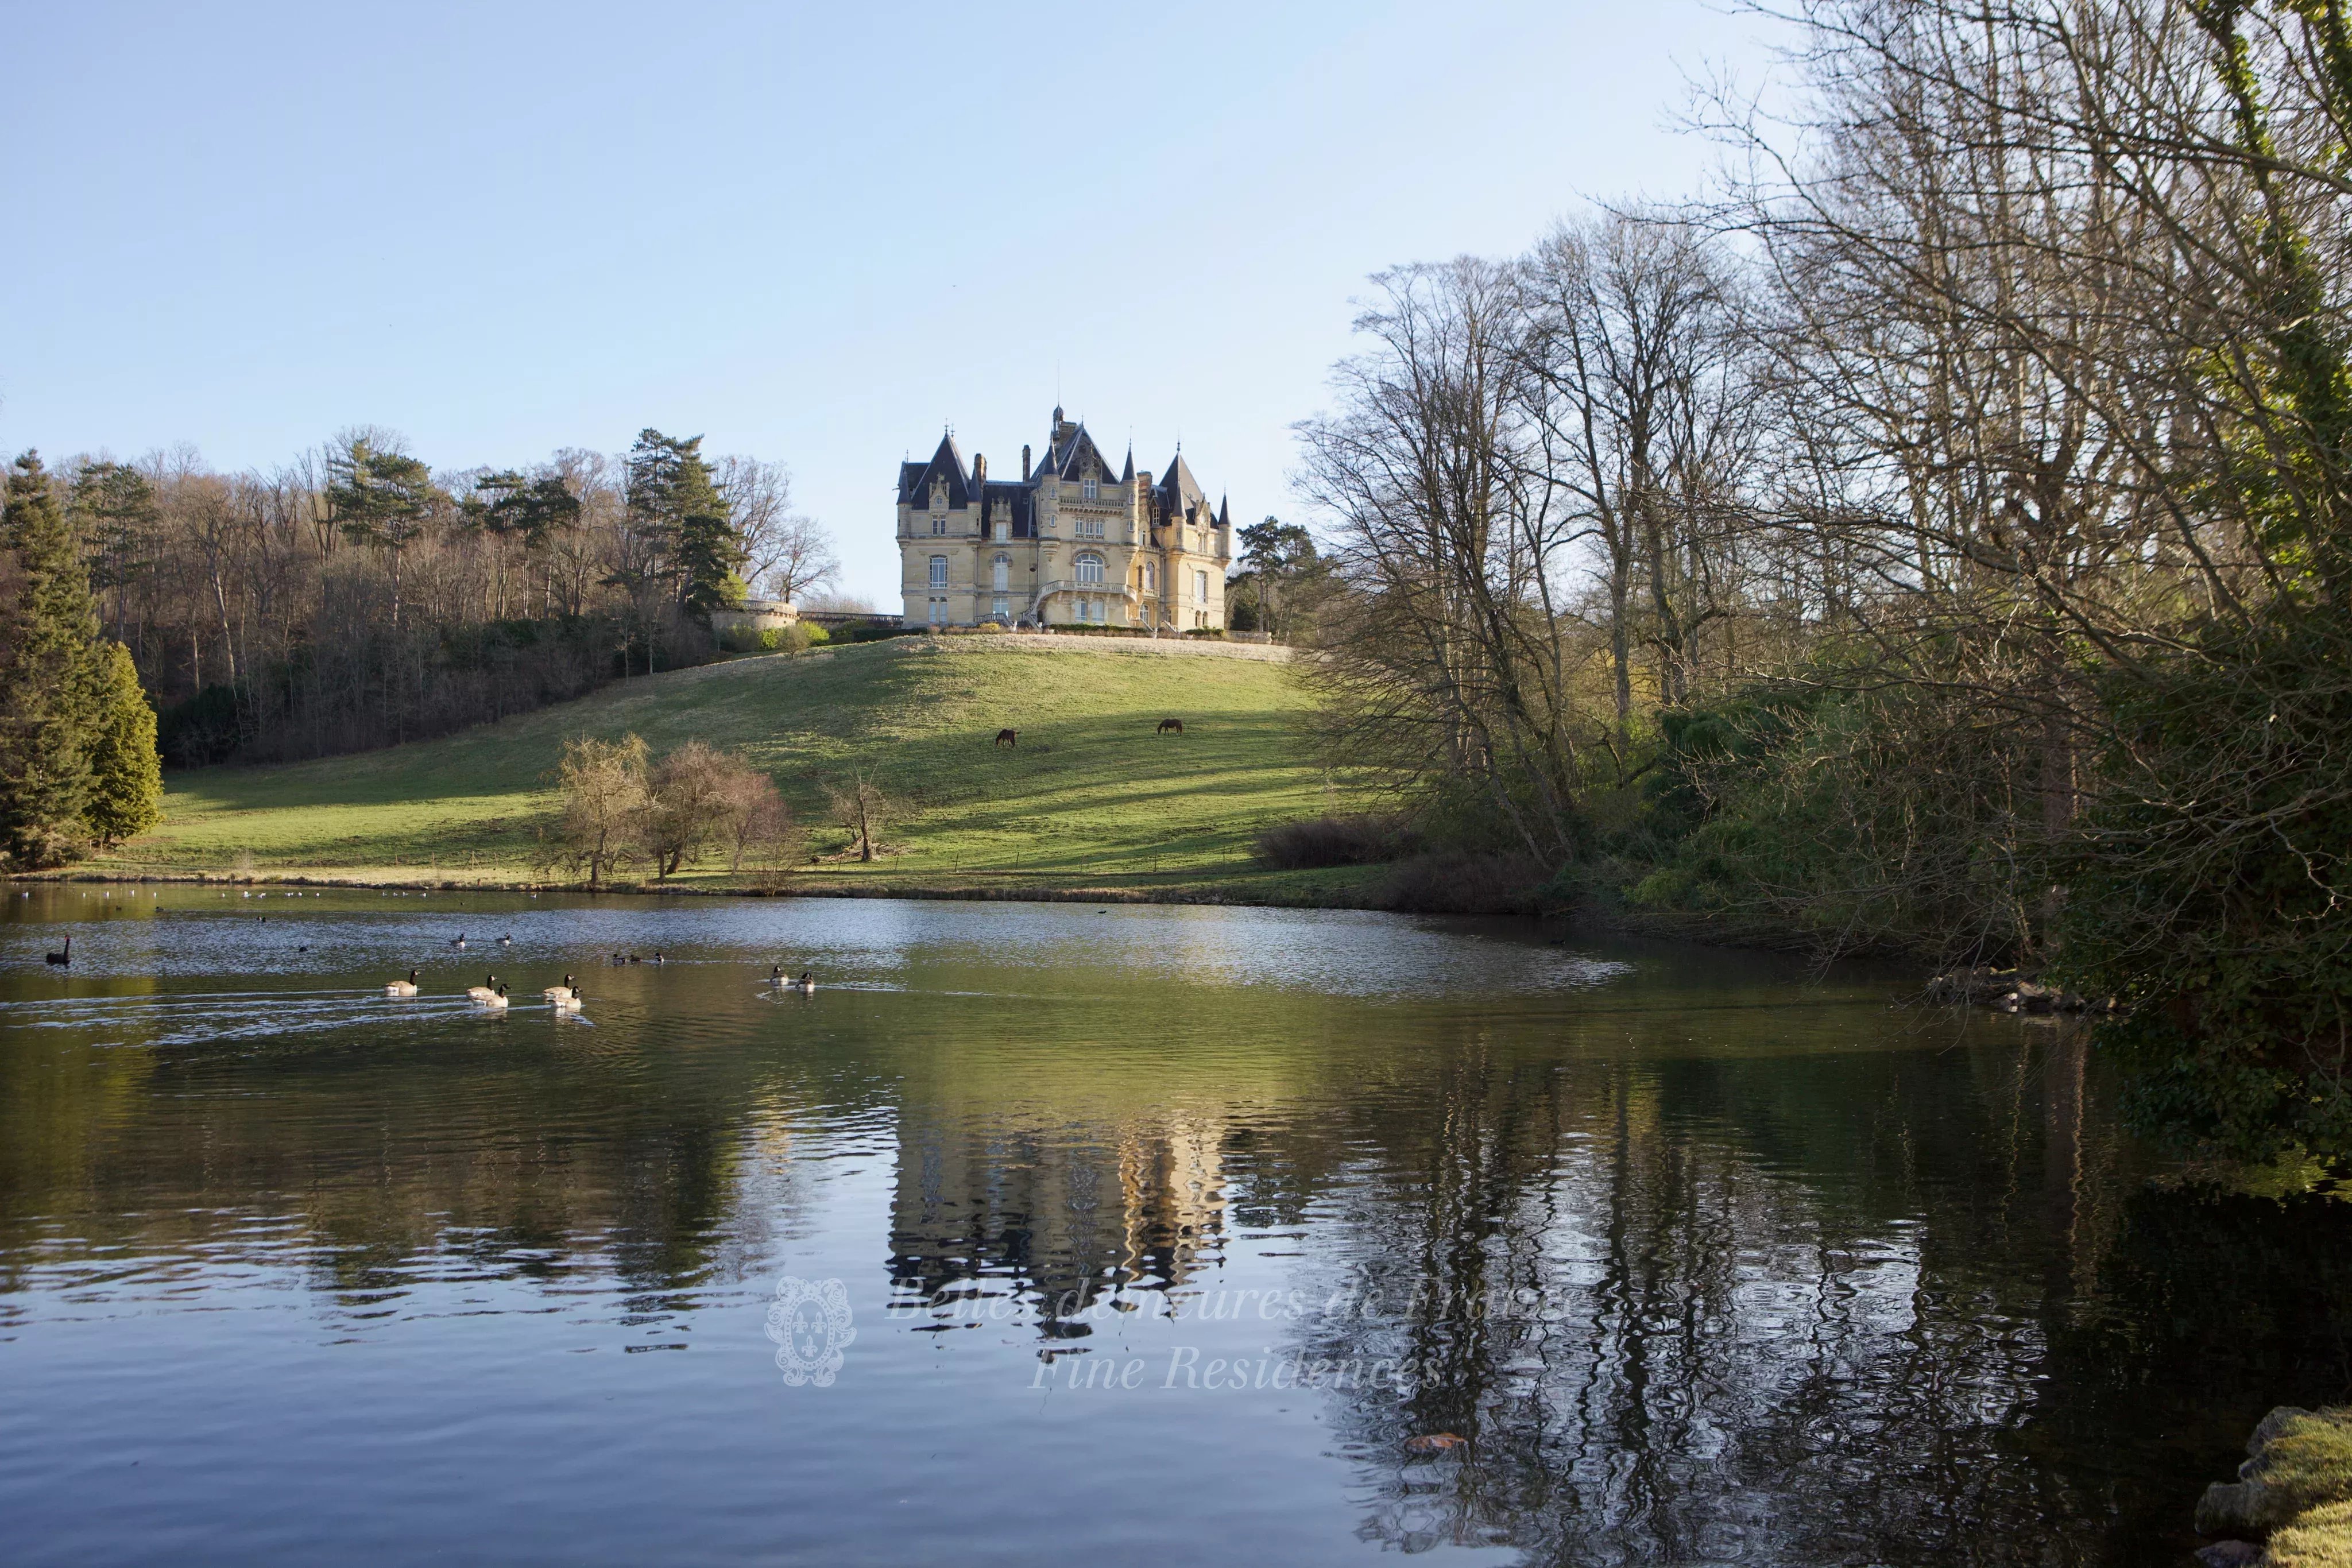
<point x="1091" y="796"/>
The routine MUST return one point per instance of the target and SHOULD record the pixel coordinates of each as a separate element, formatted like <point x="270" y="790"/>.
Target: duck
<point x="64" y="954"/>
<point x="406" y="987"/>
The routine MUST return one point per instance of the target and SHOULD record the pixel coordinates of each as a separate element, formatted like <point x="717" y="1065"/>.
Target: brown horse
<point x="1008" y="737"/>
<point x="1168" y="724"/>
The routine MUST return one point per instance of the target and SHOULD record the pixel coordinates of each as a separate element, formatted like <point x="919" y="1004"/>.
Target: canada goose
<point x="460" y="942"/>
<point x="65" y="955"/>
<point x="557" y="993"/>
<point x="568" y="1002"/>
<point x="658" y="958"/>
<point x="808" y="983"/>
<point x="506" y="941"/>
<point x="485" y="992"/>
<point x="406" y="987"/>
<point x="776" y="976"/>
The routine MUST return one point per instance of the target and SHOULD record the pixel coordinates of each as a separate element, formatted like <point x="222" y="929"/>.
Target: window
<point x="1090" y="567"/>
<point x="939" y="571"/>
<point x="1200" y="587"/>
<point x="1089" y="527"/>
<point x="939" y="612"/>
<point x="1000" y="574"/>
<point x="1003" y="529"/>
<point x="1002" y="609"/>
<point x="1090" y="488"/>
<point x="1150" y="578"/>
<point x="938" y="524"/>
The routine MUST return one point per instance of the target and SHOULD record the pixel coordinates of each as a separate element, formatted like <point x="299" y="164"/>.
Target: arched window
<point x="1090" y="567"/>
<point x="1000" y="573"/>
<point x="939" y="571"/>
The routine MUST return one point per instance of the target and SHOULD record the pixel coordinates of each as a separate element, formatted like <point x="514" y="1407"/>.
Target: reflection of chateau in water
<point x="1065" y="1213"/>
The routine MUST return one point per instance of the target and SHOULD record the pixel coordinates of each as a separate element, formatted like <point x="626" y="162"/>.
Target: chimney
<point x="979" y="468"/>
<point x="1024" y="463"/>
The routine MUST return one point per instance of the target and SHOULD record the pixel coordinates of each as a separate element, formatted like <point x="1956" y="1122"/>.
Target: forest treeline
<point x="354" y="597"/>
<point x="1937" y="538"/>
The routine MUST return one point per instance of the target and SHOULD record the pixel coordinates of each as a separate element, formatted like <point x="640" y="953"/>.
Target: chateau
<point x="1065" y="544"/>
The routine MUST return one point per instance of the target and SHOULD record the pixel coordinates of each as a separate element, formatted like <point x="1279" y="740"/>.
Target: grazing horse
<point x="1168" y="724"/>
<point x="1007" y="737"/>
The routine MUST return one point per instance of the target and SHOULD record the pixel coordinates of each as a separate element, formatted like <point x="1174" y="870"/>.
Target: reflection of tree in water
<point x="376" y="1172"/>
<point x="1056" y="1218"/>
<point x="1810" y="1311"/>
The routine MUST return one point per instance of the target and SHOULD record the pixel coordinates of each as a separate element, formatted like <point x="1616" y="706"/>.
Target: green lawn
<point x="1090" y="798"/>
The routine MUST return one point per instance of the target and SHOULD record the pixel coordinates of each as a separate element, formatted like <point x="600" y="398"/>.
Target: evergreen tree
<point x="379" y="495"/>
<point x="47" y="677"/>
<point x="126" y="780"/>
<point x="113" y="509"/>
<point x="675" y="504"/>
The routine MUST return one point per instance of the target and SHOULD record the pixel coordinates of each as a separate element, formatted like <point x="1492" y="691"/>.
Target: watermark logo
<point x="809" y="1321"/>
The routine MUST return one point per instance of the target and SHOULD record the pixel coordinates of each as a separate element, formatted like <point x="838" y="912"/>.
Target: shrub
<point x="1460" y="884"/>
<point x="1333" y="840"/>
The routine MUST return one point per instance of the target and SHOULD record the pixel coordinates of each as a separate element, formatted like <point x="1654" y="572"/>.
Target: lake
<point x="1051" y="1231"/>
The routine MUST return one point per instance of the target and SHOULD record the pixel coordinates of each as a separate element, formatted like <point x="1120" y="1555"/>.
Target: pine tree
<point x="676" y="506"/>
<point x="126" y="780"/>
<point x="381" y="496"/>
<point x="48" y="677"/>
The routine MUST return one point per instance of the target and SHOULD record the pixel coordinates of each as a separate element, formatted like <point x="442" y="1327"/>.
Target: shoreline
<point x="1053" y="892"/>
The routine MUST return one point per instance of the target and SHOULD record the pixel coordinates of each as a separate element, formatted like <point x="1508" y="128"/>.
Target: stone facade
<point x="1065" y="544"/>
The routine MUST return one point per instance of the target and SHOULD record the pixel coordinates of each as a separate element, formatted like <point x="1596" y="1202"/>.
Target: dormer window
<point x="1089" y="488"/>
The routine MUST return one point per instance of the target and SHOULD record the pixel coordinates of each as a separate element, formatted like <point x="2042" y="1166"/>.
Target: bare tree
<point x="604" y="792"/>
<point x="788" y="552"/>
<point x="758" y="824"/>
<point x="861" y="810"/>
<point x="690" y="797"/>
<point x="1448" y="659"/>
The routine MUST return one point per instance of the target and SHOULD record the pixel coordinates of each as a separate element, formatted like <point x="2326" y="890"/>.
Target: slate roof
<point x="1177" y="494"/>
<point x="1069" y="459"/>
<point x="915" y="479"/>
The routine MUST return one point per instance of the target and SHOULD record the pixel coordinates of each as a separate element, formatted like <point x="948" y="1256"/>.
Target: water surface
<point x="1194" y="1235"/>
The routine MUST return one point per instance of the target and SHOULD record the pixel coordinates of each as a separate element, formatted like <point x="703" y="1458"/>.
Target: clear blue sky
<point x="811" y="234"/>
